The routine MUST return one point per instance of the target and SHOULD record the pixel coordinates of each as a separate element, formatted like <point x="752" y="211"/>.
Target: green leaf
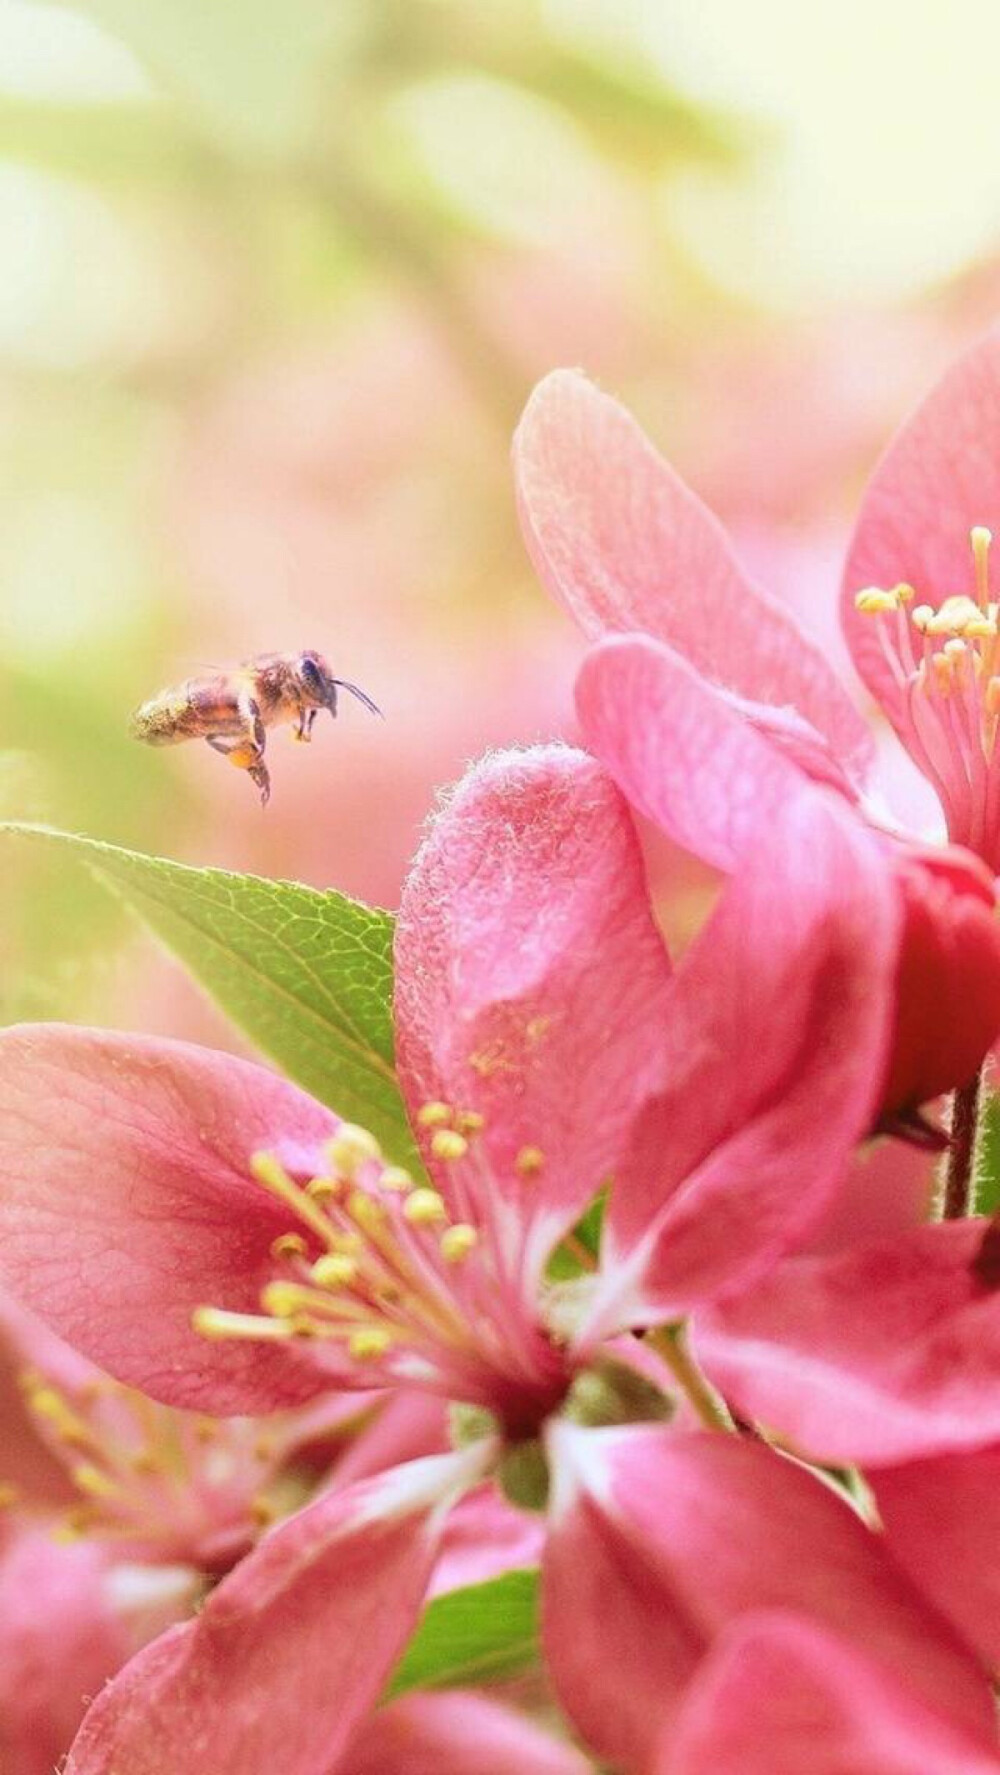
<point x="570" y="1259"/>
<point x="473" y="1635"/>
<point x="307" y="975"/>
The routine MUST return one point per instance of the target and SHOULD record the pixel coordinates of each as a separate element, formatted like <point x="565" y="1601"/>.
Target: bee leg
<point x="304" y="730"/>
<point x="259" y="774"/>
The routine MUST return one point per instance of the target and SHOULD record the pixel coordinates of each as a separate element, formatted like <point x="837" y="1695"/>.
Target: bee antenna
<point x="361" y="695"/>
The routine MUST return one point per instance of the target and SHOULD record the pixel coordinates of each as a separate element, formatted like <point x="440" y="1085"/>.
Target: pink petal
<point x="126" y="1202"/>
<point x="531" y="980"/>
<point x="619" y="540"/>
<point x="884" y="1353"/>
<point x="659" y="1540"/>
<point x="292" y="1649"/>
<point x="776" y="1031"/>
<point x="939" y="477"/>
<point x="486" y="1537"/>
<point x="59" y="1641"/>
<point x="780" y="1696"/>
<point x="941" y="1519"/>
<point x="457" y="1734"/>
<point x="890" y="1189"/>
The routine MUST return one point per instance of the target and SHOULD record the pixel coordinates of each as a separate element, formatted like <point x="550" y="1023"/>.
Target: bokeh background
<point x="276" y="281"/>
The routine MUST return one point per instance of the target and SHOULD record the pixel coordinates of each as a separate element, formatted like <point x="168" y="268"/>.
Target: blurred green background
<point x="277" y="280"/>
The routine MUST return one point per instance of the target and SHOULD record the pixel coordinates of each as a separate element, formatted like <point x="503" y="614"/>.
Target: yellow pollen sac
<point x="457" y="1241"/>
<point x="282" y="1299"/>
<point x="921" y="616"/>
<point x="955" y="650"/>
<point x="393" y="1177"/>
<point x="46" y="1403"/>
<point x="289" y="1245"/>
<point x="323" y="1189"/>
<point x="469" y="1121"/>
<point x="954" y="616"/>
<point x="334" y="1272"/>
<point x="262" y="1511"/>
<point x="369" y="1215"/>
<point x="352" y="1147"/>
<point x="93" y="1483"/>
<point x="449" y="1144"/>
<point x="368" y="1343"/>
<point x="873" y="601"/>
<point x="529" y="1161"/>
<point x="434" y="1115"/>
<point x="424" y="1208"/>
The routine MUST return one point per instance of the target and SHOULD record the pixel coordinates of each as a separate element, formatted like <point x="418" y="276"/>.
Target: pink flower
<point x="625" y="546"/>
<point x="543" y="1046"/>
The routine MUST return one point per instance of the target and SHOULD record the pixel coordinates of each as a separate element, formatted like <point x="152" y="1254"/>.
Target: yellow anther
<point x="434" y="1115"/>
<point x="424" y="1208"/>
<point x="448" y="1144"/>
<point x="394" y="1177"/>
<point x="955" y="650"/>
<point x="903" y="593"/>
<point x="369" y="1214"/>
<point x="983" y="629"/>
<point x="529" y="1161"/>
<point x="368" y="1343"/>
<point x="348" y="1244"/>
<point x="457" y="1241"/>
<point x="289" y="1245"/>
<point x="262" y="1511"/>
<point x="323" y="1189"/>
<point x="46" y="1403"/>
<point x="302" y="1325"/>
<point x="333" y="1271"/>
<point x="873" y="601"/>
<point x="93" y="1483"/>
<point x="206" y="1429"/>
<point x="469" y="1121"/>
<point x="953" y="616"/>
<point x="281" y="1299"/>
<point x="921" y="616"/>
<point x="352" y="1147"/>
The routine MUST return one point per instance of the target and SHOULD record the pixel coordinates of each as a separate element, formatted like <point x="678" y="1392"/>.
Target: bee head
<point x="315" y="682"/>
<point x="318" y="687"/>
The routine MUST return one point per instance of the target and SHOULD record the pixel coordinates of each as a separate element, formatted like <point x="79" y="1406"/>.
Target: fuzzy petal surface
<point x="885" y="1353"/>
<point x="780" y="1696"/>
<point x="623" y="544"/>
<point x="126" y="1202"/>
<point x="938" y="478"/>
<point x="941" y="1519"/>
<point x="659" y="1540"/>
<point x="776" y="1035"/>
<point x="60" y="1640"/>
<point x="532" y="984"/>
<point x="457" y="1734"/>
<point x="292" y="1650"/>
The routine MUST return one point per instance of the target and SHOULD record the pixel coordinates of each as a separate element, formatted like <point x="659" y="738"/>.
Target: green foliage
<point x="988" y="1157"/>
<point x="476" y="1635"/>
<point x="307" y="975"/>
<point x="569" y="1259"/>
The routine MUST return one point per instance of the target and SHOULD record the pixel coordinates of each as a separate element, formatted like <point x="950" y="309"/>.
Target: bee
<point x="232" y="710"/>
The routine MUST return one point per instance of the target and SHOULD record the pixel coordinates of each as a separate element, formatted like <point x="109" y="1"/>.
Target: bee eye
<point x="311" y="675"/>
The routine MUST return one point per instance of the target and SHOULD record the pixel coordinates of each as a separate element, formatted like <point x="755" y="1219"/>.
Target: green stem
<point x="959" y="1181"/>
<point x="667" y="1342"/>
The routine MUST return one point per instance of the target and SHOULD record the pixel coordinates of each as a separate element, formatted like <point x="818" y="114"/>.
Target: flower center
<point x="946" y="662"/>
<point x="390" y="1283"/>
<point x="187" y="1486"/>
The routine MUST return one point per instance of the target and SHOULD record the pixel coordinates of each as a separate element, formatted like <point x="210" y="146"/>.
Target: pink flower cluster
<point x="753" y="1441"/>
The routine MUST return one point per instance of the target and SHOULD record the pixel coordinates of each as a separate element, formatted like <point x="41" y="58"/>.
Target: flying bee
<point x="232" y="710"/>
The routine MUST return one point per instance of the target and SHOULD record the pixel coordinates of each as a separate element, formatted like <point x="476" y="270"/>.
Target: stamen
<point x="393" y="1177"/>
<point x="529" y="1161"/>
<point x="424" y="1208"/>
<point x="434" y="1115"/>
<point x="215" y="1322"/>
<point x="369" y="1343"/>
<point x="448" y="1144"/>
<point x="980" y="539"/>
<point x="352" y="1147"/>
<point x="457" y="1241"/>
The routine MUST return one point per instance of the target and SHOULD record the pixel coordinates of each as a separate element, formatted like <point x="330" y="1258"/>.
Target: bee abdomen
<point x="164" y="720"/>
